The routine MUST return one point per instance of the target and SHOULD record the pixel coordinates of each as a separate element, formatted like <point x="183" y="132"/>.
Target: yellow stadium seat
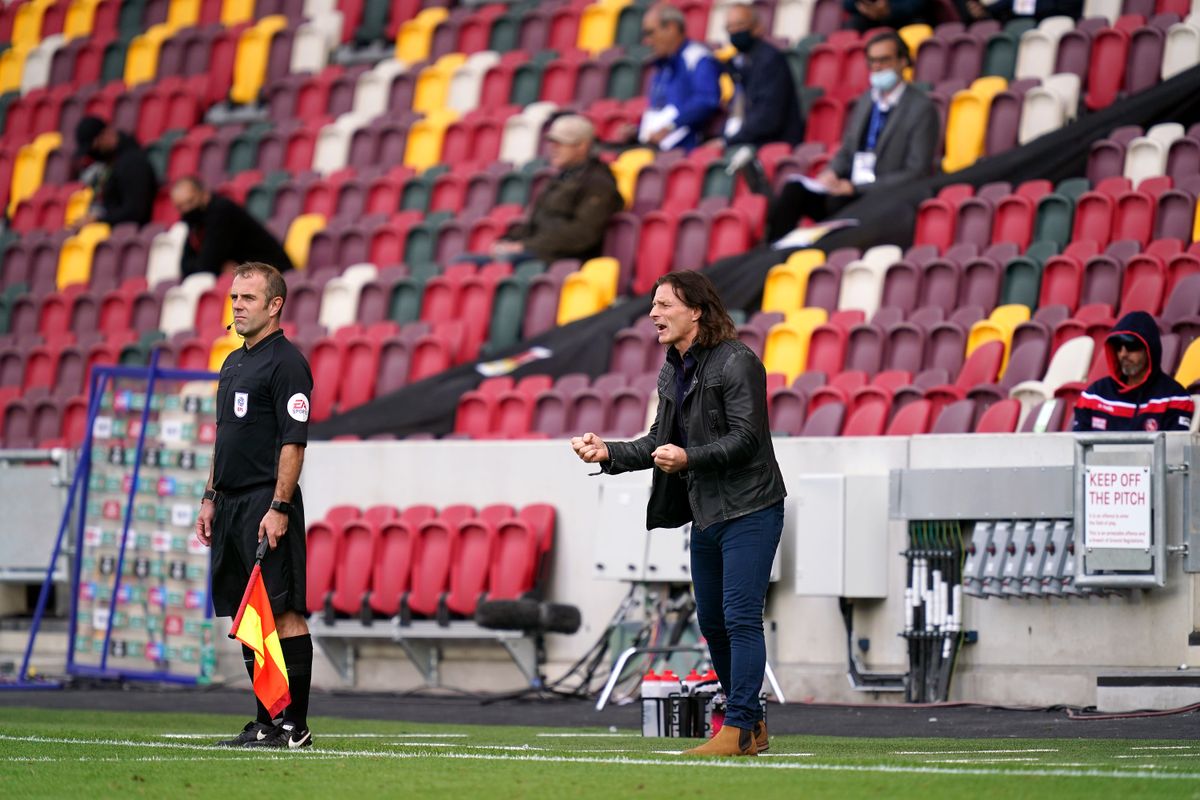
<point x="12" y="67"/>
<point x="598" y="27"/>
<point x="1196" y="226"/>
<point x="1189" y="366"/>
<point x="786" y="348"/>
<point x="626" y="168"/>
<point x="77" y="206"/>
<point x="966" y="122"/>
<point x="235" y="12"/>
<point x="29" y="166"/>
<point x="589" y="290"/>
<point x="80" y="16"/>
<point x="416" y="35"/>
<point x="250" y="62"/>
<point x="433" y="83"/>
<point x="27" y="24"/>
<point x="998" y="327"/>
<point x="913" y="35"/>
<point x="182" y="14"/>
<point x="221" y="348"/>
<point x="603" y="272"/>
<point x="141" y="60"/>
<point x="75" y="258"/>
<point x="424" y="146"/>
<point x="578" y="299"/>
<point x="787" y="283"/>
<point x="299" y="237"/>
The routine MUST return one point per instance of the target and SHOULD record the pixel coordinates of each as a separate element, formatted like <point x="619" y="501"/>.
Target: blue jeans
<point x="731" y="567"/>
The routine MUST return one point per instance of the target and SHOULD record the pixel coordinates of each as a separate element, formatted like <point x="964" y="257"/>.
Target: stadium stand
<point x="381" y="140"/>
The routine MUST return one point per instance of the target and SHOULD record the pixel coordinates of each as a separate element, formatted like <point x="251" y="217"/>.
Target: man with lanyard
<point x="263" y="400"/>
<point x="685" y="92"/>
<point x="1136" y="395"/>
<point x="714" y="466"/>
<point x="889" y="141"/>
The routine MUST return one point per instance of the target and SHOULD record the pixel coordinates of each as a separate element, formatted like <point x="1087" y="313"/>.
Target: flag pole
<point x="254" y="573"/>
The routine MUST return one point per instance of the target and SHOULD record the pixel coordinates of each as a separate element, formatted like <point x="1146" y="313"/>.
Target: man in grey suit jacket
<point x="889" y="140"/>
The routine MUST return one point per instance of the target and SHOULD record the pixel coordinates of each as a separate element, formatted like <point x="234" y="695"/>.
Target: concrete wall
<point x="1029" y="651"/>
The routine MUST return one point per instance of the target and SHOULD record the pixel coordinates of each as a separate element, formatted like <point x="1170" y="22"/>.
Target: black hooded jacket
<point x="1156" y="403"/>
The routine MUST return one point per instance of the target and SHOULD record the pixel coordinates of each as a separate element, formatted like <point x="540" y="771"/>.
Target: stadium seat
<point x="431" y="560"/>
<point x="357" y="552"/>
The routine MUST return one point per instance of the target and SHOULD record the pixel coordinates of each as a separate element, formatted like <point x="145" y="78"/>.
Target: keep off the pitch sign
<point x="1117" y="507"/>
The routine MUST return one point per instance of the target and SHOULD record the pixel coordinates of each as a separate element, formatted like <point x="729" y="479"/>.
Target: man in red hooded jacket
<point x="1136" y="395"/>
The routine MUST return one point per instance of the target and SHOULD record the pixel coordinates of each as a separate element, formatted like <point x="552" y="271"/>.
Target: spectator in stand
<point x="221" y="234"/>
<point x="570" y="215"/>
<point x="895" y="14"/>
<point x="685" y="93"/>
<point x="889" y="141"/>
<point x="1005" y="10"/>
<point x="765" y="106"/>
<point x="1136" y="395"/>
<point x="126" y="184"/>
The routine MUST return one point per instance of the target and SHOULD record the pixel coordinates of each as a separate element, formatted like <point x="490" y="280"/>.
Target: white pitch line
<point x="686" y="763"/>
<point x="982" y="760"/>
<point x="1165" y="755"/>
<point x="1168" y="747"/>
<point x="588" y="735"/>
<point x="331" y="735"/>
<point x="969" y="752"/>
<point x="520" y="747"/>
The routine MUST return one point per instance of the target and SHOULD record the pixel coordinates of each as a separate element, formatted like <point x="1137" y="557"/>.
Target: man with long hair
<point x="714" y="466"/>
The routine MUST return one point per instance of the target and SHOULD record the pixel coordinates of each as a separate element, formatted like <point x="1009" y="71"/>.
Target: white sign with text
<point x="1117" y="507"/>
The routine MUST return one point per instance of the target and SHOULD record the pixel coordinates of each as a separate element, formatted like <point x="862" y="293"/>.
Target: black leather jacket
<point x="731" y="462"/>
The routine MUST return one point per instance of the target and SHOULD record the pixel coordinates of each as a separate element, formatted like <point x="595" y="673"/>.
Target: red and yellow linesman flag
<point x="254" y="626"/>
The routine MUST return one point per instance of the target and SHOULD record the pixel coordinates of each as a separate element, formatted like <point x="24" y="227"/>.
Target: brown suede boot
<point x="761" y="741"/>
<point x="729" y="741"/>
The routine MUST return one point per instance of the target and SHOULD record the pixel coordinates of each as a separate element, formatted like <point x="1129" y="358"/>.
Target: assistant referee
<point x="263" y="400"/>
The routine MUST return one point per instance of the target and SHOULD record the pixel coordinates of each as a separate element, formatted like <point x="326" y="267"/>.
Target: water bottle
<point x="651" y="707"/>
<point x="671" y="692"/>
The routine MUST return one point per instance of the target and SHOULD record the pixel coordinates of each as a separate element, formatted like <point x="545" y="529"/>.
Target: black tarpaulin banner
<point x="584" y="346"/>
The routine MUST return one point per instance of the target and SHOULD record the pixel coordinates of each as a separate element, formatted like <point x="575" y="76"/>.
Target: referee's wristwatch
<point x="281" y="506"/>
<point x="209" y="495"/>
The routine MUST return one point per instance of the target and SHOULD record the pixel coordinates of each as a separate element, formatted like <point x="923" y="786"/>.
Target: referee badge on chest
<point x="241" y="403"/>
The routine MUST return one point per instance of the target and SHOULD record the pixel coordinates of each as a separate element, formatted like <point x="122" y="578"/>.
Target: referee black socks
<point x="298" y="656"/>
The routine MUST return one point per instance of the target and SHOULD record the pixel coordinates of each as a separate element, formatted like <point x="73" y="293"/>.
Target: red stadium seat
<point x="356" y="559"/>
<point x="431" y="560"/>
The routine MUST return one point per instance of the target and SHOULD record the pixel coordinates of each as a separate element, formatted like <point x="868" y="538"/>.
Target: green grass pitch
<point x="85" y="755"/>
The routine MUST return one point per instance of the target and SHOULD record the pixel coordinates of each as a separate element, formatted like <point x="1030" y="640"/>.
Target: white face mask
<point x="884" y="80"/>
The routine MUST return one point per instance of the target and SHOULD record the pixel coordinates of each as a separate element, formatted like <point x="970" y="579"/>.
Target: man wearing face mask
<point x="221" y="234"/>
<point x="765" y="106"/>
<point x="1136" y="395"/>
<point x="889" y="141"/>
<point x="127" y="184"/>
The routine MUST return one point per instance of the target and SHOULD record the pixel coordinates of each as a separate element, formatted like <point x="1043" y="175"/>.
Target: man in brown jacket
<point x="568" y="218"/>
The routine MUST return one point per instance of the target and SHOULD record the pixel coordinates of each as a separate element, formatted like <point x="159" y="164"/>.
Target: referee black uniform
<point x="263" y="401"/>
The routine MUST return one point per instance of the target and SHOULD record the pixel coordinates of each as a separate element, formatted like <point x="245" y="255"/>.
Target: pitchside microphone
<point x="528" y="615"/>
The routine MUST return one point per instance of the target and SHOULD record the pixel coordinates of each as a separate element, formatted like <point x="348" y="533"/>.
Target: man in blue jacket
<point x="1136" y="395"/>
<point x="684" y="90"/>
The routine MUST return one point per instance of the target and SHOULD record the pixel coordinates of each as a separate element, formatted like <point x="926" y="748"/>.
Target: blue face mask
<point x="884" y="80"/>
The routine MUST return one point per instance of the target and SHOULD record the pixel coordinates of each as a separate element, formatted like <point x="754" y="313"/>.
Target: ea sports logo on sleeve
<point x="297" y="407"/>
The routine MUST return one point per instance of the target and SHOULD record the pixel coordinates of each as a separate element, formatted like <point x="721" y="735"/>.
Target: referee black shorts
<point x="234" y="542"/>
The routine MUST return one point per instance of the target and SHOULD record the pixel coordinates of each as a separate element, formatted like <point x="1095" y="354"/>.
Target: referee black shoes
<point x="254" y="732"/>
<point x="284" y="737"/>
